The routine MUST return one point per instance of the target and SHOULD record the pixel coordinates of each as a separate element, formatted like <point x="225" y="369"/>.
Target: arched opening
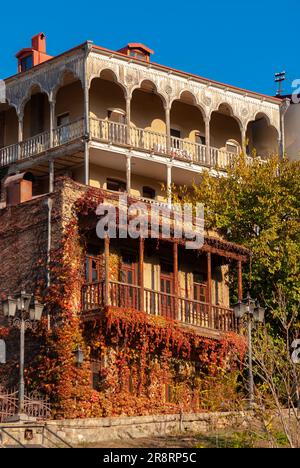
<point x="36" y="114"/>
<point x="147" y="108"/>
<point x="187" y="127"/>
<point x="107" y="99"/>
<point x="224" y="128"/>
<point x="262" y="138"/>
<point x="69" y="100"/>
<point x="8" y="125"/>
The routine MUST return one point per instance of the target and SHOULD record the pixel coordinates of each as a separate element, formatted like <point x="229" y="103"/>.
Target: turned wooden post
<point x="240" y="281"/>
<point x="141" y="273"/>
<point x="209" y="292"/>
<point x="106" y="265"/>
<point x="176" y="284"/>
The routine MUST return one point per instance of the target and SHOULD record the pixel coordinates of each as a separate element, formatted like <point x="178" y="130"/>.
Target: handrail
<point x="42" y="142"/>
<point x="57" y="436"/>
<point x="182" y="309"/>
<point x="44" y="427"/>
<point x="3" y="428"/>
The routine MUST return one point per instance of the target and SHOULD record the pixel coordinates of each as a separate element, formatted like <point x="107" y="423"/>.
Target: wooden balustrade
<point x="8" y="155"/>
<point x="108" y="131"/>
<point x="124" y="295"/>
<point x="40" y="143"/>
<point x="187" y="311"/>
<point x="189" y="151"/>
<point x="35" y="145"/>
<point x="148" y="140"/>
<point x="92" y="296"/>
<point x="68" y="132"/>
<point x="120" y="134"/>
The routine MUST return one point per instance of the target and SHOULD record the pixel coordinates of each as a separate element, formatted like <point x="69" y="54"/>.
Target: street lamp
<point x="23" y="313"/>
<point x="251" y="312"/>
<point x="79" y="356"/>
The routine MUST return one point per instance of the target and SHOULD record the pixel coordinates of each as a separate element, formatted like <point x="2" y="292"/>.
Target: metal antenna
<point x="280" y="78"/>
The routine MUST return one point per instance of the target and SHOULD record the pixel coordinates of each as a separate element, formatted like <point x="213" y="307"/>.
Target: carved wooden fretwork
<point x="130" y="75"/>
<point x="48" y="78"/>
<point x="170" y="87"/>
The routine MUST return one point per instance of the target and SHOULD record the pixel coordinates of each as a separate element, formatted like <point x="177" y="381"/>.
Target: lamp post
<point x="22" y="312"/>
<point x="250" y="311"/>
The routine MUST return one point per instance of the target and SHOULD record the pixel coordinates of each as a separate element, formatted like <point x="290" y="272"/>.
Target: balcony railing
<point x="154" y="142"/>
<point x="121" y="135"/>
<point x="187" y="311"/>
<point x="41" y="143"/>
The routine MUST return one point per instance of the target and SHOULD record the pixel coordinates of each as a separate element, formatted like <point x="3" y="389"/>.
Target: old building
<point x="78" y="129"/>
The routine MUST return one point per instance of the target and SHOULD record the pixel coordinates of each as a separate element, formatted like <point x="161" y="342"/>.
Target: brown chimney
<point x="18" y="188"/>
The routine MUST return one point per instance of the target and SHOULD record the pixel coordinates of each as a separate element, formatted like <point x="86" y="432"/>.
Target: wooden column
<point x="169" y="184"/>
<point x="141" y="273"/>
<point x="175" y="273"/>
<point x="168" y="127"/>
<point x="209" y="292"/>
<point x="52" y="123"/>
<point x="106" y="266"/>
<point x="20" y="136"/>
<point x="244" y="142"/>
<point x="207" y="138"/>
<point x="128" y="118"/>
<point x="51" y="176"/>
<point x="240" y="281"/>
<point x="128" y="174"/>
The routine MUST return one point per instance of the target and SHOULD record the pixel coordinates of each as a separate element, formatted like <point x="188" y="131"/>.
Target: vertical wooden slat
<point x="141" y="273"/>
<point x="240" y="281"/>
<point x="175" y="274"/>
<point x="106" y="266"/>
<point x="209" y="292"/>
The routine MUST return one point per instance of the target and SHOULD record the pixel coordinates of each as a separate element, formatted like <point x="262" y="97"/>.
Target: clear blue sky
<point x="237" y="42"/>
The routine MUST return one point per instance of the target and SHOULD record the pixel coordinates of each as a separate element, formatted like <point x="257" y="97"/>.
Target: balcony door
<point x="128" y="293"/>
<point x="63" y="121"/>
<point x="200" y="309"/>
<point x="166" y="306"/>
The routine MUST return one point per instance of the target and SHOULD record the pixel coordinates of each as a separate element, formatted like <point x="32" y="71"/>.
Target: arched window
<point x="116" y="115"/>
<point x="115" y="185"/>
<point x="233" y="146"/>
<point x="148" y="192"/>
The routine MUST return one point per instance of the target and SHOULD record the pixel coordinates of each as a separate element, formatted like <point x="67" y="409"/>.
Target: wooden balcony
<point x="183" y="310"/>
<point x="159" y="143"/>
<point x="121" y="135"/>
<point x="41" y="143"/>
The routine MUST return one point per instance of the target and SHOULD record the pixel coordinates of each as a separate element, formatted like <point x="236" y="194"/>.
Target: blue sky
<point x="242" y="43"/>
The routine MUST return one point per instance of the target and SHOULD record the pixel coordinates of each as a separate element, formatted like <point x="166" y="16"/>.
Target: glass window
<point x="26" y="63"/>
<point x="148" y="192"/>
<point x="200" y="139"/>
<point x="115" y="185"/>
<point x="175" y="133"/>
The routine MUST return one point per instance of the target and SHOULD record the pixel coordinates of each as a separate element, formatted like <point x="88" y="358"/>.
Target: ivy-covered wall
<point x="141" y="364"/>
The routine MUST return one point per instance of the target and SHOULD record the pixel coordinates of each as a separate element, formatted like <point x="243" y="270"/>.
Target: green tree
<point x="258" y="206"/>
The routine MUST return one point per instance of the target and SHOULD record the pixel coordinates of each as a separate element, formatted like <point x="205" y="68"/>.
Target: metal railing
<point x="188" y="311"/>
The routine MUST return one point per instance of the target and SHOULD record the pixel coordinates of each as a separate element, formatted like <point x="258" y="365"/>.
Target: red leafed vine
<point x="146" y="364"/>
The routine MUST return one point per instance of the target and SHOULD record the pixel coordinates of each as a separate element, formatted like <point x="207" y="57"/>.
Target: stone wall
<point x="92" y="431"/>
